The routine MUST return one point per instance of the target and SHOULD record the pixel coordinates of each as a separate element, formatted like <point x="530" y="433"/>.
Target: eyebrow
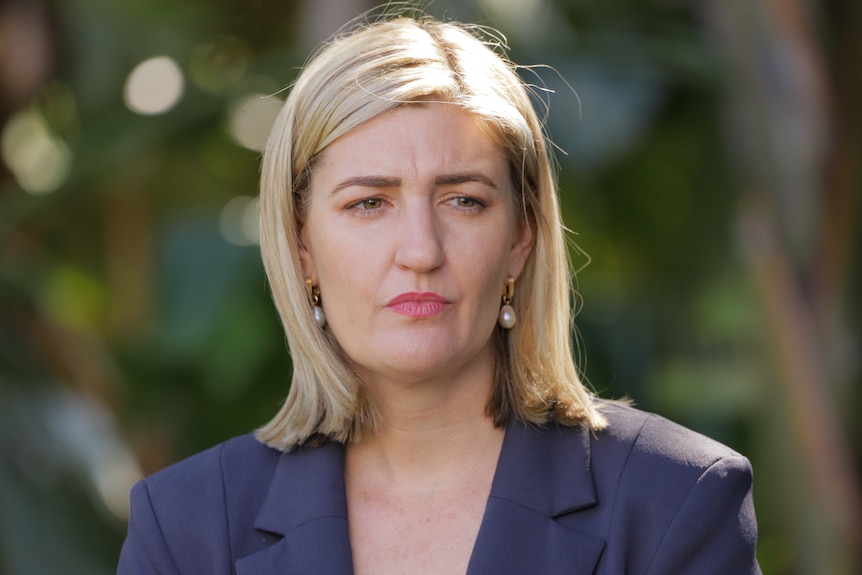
<point x="366" y="182"/>
<point x="384" y="182"/>
<point x="464" y="178"/>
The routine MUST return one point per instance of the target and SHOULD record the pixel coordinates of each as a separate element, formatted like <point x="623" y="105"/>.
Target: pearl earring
<point x="316" y="310"/>
<point x="507" y="318"/>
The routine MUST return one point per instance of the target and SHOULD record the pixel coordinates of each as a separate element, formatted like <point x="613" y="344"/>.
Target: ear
<point x="521" y="248"/>
<point x="306" y="259"/>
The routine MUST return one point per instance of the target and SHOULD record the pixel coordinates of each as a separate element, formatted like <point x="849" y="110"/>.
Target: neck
<point x="430" y="429"/>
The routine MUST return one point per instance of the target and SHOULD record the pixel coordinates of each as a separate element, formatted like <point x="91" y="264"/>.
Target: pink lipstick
<point x="418" y="305"/>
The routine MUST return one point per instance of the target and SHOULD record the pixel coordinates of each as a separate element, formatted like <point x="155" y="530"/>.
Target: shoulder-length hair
<point x="356" y="77"/>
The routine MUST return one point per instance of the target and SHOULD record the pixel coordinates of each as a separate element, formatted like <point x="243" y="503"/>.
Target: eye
<point x="466" y="203"/>
<point x="367" y="204"/>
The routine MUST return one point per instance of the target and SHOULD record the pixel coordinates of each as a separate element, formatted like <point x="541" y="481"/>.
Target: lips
<point x="418" y="305"/>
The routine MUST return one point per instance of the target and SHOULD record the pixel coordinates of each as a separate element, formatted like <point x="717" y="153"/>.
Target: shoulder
<point x="225" y="467"/>
<point x="641" y="453"/>
<point x="231" y="475"/>
<point x="665" y="490"/>
<point x="635" y="433"/>
<point x="187" y="512"/>
<point x="208" y="466"/>
<point x="663" y="498"/>
<point x="647" y="455"/>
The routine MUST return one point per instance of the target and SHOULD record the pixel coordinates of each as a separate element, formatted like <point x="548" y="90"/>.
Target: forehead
<point x="430" y="136"/>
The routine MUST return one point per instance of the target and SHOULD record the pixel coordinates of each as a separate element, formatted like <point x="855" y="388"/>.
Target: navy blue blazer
<point x="645" y="496"/>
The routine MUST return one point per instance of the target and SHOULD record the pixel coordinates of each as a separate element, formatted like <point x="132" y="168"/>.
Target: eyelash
<point x="361" y="207"/>
<point x="476" y="204"/>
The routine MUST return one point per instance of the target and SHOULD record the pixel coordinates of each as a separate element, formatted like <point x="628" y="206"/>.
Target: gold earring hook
<point x="509" y="291"/>
<point x="313" y="291"/>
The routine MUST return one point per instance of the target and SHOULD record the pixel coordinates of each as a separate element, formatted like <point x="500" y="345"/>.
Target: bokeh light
<point x="251" y="117"/>
<point x="239" y="221"/>
<point x="39" y="160"/>
<point x="154" y="86"/>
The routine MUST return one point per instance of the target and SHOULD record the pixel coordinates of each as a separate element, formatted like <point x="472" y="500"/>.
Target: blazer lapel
<point x="542" y="475"/>
<point x="307" y="505"/>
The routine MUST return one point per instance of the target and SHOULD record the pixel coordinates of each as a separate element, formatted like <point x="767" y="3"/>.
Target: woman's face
<point x="411" y="235"/>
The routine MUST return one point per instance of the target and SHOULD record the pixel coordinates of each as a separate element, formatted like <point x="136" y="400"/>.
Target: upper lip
<point x="417" y="297"/>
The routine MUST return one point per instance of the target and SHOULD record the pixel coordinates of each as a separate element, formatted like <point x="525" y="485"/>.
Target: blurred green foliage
<point x="133" y="333"/>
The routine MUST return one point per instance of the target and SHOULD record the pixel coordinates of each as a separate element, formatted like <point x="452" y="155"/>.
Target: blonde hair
<point x="356" y="77"/>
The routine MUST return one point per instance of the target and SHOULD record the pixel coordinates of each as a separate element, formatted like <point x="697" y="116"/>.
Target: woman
<point x="435" y="422"/>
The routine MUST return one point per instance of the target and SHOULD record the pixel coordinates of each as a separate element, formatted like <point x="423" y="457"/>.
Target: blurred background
<point x="709" y="159"/>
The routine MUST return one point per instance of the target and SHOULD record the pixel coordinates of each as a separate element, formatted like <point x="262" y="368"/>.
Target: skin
<point x="416" y="201"/>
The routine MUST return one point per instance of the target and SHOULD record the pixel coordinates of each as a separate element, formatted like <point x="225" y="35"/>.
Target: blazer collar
<point x="546" y="469"/>
<point x="542" y="475"/>
<point x="308" y="484"/>
<point x="307" y="505"/>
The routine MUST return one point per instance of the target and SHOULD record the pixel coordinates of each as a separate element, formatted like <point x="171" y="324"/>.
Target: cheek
<point x="487" y="248"/>
<point x="485" y="270"/>
<point x="342" y="264"/>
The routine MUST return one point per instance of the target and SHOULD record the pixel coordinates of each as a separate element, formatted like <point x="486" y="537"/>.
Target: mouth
<point x="418" y="305"/>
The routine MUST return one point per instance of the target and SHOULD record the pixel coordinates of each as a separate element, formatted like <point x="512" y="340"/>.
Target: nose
<point x="420" y="246"/>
